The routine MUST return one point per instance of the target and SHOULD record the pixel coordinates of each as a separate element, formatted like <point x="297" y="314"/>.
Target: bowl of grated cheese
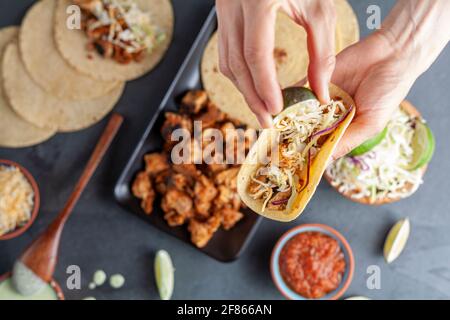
<point x="19" y="199"/>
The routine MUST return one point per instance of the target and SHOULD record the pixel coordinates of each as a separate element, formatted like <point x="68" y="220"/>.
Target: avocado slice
<point x="294" y="95"/>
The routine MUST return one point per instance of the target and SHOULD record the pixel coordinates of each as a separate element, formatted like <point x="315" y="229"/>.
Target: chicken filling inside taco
<point x="119" y="29"/>
<point x="301" y="131"/>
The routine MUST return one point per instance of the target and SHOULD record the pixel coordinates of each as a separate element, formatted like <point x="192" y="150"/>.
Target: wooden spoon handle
<point x="102" y="146"/>
<point x="42" y="254"/>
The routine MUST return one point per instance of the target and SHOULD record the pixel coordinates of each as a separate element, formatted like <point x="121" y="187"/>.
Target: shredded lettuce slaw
<point x="380" y="174"/>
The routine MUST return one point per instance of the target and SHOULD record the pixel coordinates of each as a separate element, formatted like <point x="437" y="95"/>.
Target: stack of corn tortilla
<point x="48" y="81"/>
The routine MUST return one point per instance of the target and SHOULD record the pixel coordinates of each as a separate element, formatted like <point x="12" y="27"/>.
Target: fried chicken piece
<point x="161" y="181"/>
<point x="181" y="182"/>
<point x="142" y="189"/>
<point x="141" y="185"/>
<point x="175" y="121"/>
<point x="188" y="169"/>
<point x="194" y="101"/>
<point x="227" y="198"/>
<point x="178" y="181"/>
<point x="205" y="192"/>
<point x="170" y="179"/>
<point x="217" y="167"/>
<point x="211" y="116"/>
<point x="230" y="217"/>
<point x="174" y="219"/>
<point x="202" y="231"/>
<point x="235" y="142"/>
<point x="147" y="203"/>
<point x="213" y="150"/>
<point x="253" y="186"/>
<point x="224" y="197"/>
<point x="177" y="202"/>
<point x="279" y="201"/>
<point x="228" y="178"/>
<point x="155" y="163"/>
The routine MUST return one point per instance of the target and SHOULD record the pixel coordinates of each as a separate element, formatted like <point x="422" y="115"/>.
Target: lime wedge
<point x="396" y="240"/>
<point x="369" y="144"/>
<point x="357" y="298"/>
<point x="423" y="145"/>
<point x="164" y="274"/>
<point x="294" y="95"/>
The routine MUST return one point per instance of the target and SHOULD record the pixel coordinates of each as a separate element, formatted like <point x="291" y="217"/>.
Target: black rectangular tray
<point x="225" y="246"/>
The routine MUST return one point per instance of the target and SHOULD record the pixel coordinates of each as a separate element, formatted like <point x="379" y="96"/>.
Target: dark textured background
<point x="101" y="235"/>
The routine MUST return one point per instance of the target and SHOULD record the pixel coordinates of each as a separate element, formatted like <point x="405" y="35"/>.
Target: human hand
<point x="246" y="45"/>
<point x="379" y="71"/>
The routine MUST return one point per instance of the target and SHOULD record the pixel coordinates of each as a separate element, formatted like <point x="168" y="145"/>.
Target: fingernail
<point x="265" y="121"/>
<point x="272" y="108"/>
<point x="326" y="96"/>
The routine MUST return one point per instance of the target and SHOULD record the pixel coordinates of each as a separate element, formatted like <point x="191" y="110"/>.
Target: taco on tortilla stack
<point x="305" y="135"/>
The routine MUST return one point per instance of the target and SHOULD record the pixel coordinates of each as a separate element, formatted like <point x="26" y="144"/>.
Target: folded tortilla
<point x="301" y="194"/>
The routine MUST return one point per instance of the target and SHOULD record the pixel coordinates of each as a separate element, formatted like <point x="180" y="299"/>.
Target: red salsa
<point x="312" y="264"/>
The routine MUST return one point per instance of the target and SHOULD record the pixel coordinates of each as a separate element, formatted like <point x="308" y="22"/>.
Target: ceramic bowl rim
<point x="350" y="261"/>
<point x="37" y="200"/>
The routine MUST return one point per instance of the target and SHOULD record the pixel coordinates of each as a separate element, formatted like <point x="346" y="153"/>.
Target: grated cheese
<point x="16" y="199"/>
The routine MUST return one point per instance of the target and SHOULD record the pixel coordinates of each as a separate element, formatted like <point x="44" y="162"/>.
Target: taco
<point x="285" y="165"/>
<point x="44" y="63"/>
<point x="393" y="169"/>
<point x="119" y="40"/>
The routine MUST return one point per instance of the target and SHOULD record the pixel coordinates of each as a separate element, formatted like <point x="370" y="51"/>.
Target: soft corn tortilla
<point x="44" y="63"/>
<point x="298" y="201"/>
<point x="72" y="44"/>
<point x="33" y="104"/>
<point x="14" y="131"/>
<point x="347" y="26"/>
<point x="291" y="57"/>
<point x="411" y="110"/>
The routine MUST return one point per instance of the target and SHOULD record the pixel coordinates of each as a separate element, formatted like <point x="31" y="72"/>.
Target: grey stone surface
<point x="101" y="235"/>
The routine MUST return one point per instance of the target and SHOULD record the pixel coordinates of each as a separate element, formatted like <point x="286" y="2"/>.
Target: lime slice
<point x="423" y="145"/>
<point x="357" y="298"/>
<point x="396" y="240"/>
<point x="164" y="274"/>
<point x="369" y="144"/>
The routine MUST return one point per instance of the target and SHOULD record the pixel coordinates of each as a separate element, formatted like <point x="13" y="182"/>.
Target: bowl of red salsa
<point x="312" y="261"/>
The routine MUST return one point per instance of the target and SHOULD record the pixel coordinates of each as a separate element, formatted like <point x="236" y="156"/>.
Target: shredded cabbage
<point x="380" y="173"/>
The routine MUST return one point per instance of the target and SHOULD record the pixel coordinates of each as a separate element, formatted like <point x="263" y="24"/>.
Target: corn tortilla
<point x="14" y="131"/>
<point x="291" y="57"/>
<point x="46" y="111"/>
<point x="44" y="63"/>
<point x="299" y="200"/>
<point x="72" y="44"/>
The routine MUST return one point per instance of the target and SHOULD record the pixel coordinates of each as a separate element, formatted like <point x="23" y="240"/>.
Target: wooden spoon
<point x="41" y="256"/>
